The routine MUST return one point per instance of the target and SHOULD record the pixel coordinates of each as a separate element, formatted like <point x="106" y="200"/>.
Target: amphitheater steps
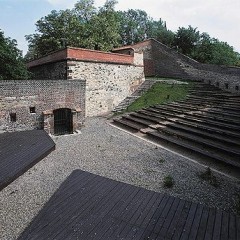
<point x="212" y="133"/>
<point x="206" y="123"/>
<point x="187" y="145"/>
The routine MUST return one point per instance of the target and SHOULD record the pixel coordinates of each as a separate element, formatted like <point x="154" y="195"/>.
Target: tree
<point x="133" y="26"/>
<point x="211" y="50"/>
<point x="54" y="32"/>
<point x="158" y="30"/>
<point x="83" y="26"/>
<point x="223" y="54"/>
<point x="12" y="65"/>
<point x="186" y="39"/>
<point x="104" y="28"/>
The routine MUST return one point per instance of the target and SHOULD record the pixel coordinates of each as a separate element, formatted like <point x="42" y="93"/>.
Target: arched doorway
<point x="63" y="121"/>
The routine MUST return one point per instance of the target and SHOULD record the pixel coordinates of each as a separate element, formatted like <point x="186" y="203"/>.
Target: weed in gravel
<point x="208" y="176"/>
<point x="168" y="181"/>
<point x="161" y="160"/>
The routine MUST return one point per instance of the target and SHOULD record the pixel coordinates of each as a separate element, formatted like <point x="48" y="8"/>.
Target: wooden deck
<point x="19" y="151"/>
<point x="87" y="206"/>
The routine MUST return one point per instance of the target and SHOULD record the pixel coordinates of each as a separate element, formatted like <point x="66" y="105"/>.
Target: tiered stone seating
<point x="206" y="123"/>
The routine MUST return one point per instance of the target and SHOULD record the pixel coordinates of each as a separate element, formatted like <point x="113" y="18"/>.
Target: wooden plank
<point x="175" y="220"/>
<point x="238" y="227"/>
<point x="163" y="215"/>
<point x="189" y="221"/>
<point x="210" y="224"/>
<point x="87" y="206"/>
<point x="203" y="224"/>
<point x="232" y="228"/>
<point x="217" y="225"/>
<point x="181" y="223"/>
<point x="149" y="211"/>
<point x="169" y="218"/>
<point x="66" y="214"/>
<point x="225" y="226"/>
<point x="19" y="151"/>
<point x="90" y="217"/>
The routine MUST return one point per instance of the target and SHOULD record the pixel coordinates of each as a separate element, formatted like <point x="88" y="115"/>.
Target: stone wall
<point x="226" y="78"/>
<point x="110" y="77"/>
<point x="162" y="61"/>
<point x="20" y="97"/>
<point x="106" y="84"/>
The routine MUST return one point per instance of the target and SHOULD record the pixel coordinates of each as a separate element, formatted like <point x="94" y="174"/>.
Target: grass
<point x="168" y="181"/>
<point x="208" y="176"/>
<point x="160" y="93"/>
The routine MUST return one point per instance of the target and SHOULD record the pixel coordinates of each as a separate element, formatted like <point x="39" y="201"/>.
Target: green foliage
<point x="84" y="26"/>
<point x="158" y="30"/>
<point x="211" y="50"/>
<point x="208" y="176"/>
<point x="161" y="160"/>
<point x="133" y="26"/>
<point x="12" y="65"/>
<point x="186" y="39"/>
<point x="104" y="28"/>
<point x="159" y="93"/>
<point x="168" y="181"/>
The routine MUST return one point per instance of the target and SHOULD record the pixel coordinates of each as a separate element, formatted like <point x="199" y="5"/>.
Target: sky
<point x="219" y="18"/>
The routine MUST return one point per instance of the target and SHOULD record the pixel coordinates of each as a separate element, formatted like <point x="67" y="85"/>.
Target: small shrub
<point x="168" y="181"/>
<point x="161" y="160"/>
<point x="208" y="176"/>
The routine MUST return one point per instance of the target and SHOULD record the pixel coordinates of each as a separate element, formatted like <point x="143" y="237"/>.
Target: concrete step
<point x="193" y="148"/>
<point x="128" y="124"/>
<point x="202" y="141"/>
<point x="167" y="111"/>
<point x="196" y="119"/>
<point x="223" y="136"/>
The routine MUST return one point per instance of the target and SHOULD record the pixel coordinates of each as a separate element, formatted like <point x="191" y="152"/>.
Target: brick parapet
<point x="86" y="55"/>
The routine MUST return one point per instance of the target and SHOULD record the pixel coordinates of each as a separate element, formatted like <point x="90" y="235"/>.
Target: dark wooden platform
<point x="87" y="206"/>
<point x="19" y="151"/>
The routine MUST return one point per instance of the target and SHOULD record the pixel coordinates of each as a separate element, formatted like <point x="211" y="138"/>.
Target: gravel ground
<point x="107" y="151"/>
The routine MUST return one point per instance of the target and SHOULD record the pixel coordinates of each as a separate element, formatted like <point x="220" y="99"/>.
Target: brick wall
<point x="98" y="56"/>
<point x="17" y="96"/>
<point x="160" y="60"/>
<point x="51" y="71"/>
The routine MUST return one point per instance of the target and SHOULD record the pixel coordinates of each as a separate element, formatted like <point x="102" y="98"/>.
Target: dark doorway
<point x="63" y="121"/>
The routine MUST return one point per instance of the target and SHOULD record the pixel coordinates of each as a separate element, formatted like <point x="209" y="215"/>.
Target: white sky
<point x="219" y="18"/>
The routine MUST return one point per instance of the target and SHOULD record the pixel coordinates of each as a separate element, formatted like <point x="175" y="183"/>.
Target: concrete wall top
<point x="81" y="54"/>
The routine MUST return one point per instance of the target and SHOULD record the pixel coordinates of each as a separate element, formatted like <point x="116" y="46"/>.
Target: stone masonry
<point x="110" y="77"/>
